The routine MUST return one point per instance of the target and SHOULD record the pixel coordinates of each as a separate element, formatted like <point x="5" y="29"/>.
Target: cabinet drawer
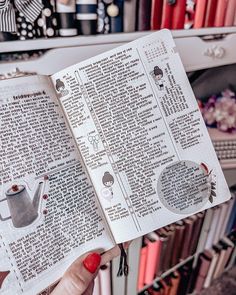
<point x="197" y="53"/>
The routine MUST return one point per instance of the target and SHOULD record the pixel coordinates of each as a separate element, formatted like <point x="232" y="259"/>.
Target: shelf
<point x="59" y="42"/>
<point x="166" y="273"/>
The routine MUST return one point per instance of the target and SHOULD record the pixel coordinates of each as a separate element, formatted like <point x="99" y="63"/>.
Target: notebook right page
<point x="141" y="135"/>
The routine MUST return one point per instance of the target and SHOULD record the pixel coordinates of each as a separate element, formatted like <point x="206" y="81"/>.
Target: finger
<point x="79" y="275"/>
<point x="89" y="290"/>
<point x="112" y="253"/>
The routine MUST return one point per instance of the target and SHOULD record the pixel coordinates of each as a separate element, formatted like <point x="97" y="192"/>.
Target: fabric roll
<point x="144" y="15"/>
<point x="47" y="24"/>
<point x="129" y="15"/>
<point x="29" y="9"/>
<point x="86" y="16"/>
<point x="25" y="29"/>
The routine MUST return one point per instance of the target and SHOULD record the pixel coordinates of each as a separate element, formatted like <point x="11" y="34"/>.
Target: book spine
<point x="213" y="227"/>
<point x="229" y="210"/>
<point x="178" y="17"/>
<point x="167" y="14"/>
<point x="166" y="284"/>
<point x="142" y="267"/>
<point x="175" y="279"/>
<point x="220" y="13"/>
<point x="169" y="254"/>
<point x="187" y="237"/>
<point x="144" y="15"/>
<point x="47" y="24"/>
<point x="230" y="13"/>
<point x="86" y="16"/>
<point x="204" y="230"/>
<point x="210" y="13"/>
<point x="204" y="264"/>
<point x="130" y="15"/>
<point x="220" y="222"/>
<point x="232" y="259"/>
<point x="105" y="279"/>
<point x="187" y="279"/>
<point x="163" y="250"/>
<point x="118" y="283"/>
<point x="133" y="259"/>
<point x="66" y="19"/>
<point x="177" y="242"/>
<point x="212" y="267"/>
<point x="156" y="14"/>
<point x="97" y="287"/>
<point x="185" y="275"/>
<point x="200" y="14"/>
<point x="196" y="232"/>
<point x="229" y="249"/>
<point x="152" y="255"/>
<point x="218" y="269"/>
<point x="231" y="218"/>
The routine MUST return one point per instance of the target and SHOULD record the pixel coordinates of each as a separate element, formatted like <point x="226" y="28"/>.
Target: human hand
<point x="79" y="278"/>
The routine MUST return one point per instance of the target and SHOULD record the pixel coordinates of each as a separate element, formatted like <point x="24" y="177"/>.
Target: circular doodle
<point x="183" y="187"/>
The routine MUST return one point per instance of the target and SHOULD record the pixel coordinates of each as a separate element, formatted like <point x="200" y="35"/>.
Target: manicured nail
<point x="92" y="262"/>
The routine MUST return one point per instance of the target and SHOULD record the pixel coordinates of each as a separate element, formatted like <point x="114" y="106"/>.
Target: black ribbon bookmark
<point x="123" y="267"/>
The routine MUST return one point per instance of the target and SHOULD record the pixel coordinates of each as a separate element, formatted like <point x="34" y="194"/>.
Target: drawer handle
<point x="215" y="51"/>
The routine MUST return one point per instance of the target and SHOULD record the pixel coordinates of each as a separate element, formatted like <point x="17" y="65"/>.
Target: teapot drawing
<point x="23" y="210"/>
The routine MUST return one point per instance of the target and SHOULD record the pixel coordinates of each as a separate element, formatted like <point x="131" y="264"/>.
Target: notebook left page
<point x="48" y="212"/>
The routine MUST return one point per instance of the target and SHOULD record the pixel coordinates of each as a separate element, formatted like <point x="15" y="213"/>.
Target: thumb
<point x="79" y="276"/>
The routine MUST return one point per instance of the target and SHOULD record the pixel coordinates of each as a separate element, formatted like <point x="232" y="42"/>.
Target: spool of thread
<point x="86" y="16"/>
<point x="66" y="18"/>
<point x="116" y="14"/>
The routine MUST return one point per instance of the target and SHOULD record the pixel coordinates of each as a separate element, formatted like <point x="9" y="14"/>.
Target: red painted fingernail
<point x="92" y="262"/>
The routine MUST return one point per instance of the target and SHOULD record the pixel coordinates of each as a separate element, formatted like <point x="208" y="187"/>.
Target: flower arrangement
<point x="219" y="111"/>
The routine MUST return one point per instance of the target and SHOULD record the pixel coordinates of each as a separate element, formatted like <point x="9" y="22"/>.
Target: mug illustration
<point x="23" y="210"/>
<point x="158" y="77"/>
<point x="60" y="87"/>
<point x="108" y="181"/>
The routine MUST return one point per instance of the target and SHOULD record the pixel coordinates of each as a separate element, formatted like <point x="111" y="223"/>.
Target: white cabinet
<point x="196" y="47"/>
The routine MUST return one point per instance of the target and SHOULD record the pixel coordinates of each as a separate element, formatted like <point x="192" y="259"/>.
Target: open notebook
<point x="102" y="152"/>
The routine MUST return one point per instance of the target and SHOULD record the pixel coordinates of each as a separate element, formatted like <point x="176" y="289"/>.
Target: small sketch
<point x="210" y="181"/>
<point x="3" y="275"/>
<point x="60" y="87"/>
<point x="94" y="141"/>
<point x="108" y="181"/>
<point x="157" y="75"/>
<point x="23" y="209"/>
